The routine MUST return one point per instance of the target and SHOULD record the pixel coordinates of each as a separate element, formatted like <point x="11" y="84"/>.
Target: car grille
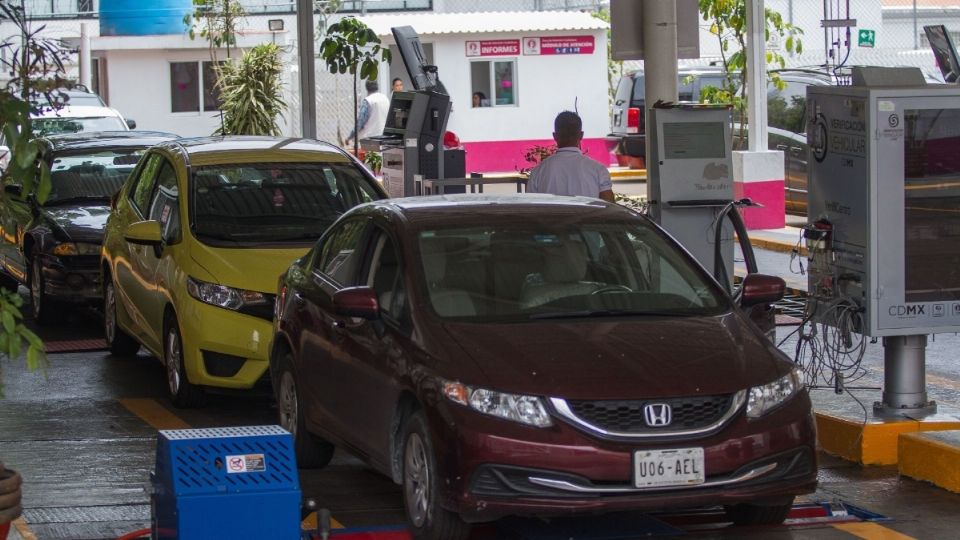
<point x="627" y="416"/>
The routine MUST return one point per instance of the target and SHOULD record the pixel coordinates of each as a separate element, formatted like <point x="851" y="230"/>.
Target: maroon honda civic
<point x="536" y="355"/>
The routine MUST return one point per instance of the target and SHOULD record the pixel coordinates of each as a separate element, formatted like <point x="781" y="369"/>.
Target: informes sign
<point x="533" y="46"/>
<point x="493" y="47"/>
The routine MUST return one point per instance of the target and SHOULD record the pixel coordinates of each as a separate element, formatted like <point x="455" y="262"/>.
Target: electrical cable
<point x="139" y="533"/>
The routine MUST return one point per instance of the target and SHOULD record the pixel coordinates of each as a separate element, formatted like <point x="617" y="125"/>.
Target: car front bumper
<point x="494" y="468"/>
<point x="223" y="348"/>
<point x="74" y="280"/>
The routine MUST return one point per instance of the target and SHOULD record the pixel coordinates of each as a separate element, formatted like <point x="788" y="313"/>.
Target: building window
<point x="188" y="90"/>
<point x="493" y="83"/>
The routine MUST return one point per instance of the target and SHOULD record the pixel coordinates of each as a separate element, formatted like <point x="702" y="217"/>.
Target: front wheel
<point x="311" y="451"/>
<point x="754" y="514"/>
<point x="183" y="393"/>
<point x="119" y="342"/>
<point x="45" y="310"/>
<point x="426" y="519"/>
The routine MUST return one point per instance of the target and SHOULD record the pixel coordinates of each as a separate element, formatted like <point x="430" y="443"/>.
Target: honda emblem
<point x="657" y="414"/>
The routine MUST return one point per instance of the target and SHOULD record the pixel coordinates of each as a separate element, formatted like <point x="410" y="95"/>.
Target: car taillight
<point x="633" y="120"/>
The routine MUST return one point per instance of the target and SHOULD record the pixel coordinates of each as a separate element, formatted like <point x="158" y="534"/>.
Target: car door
<point x="382" y="347"/>
<point x="133" y="263"/>
<point x="156" y="263"/>
<point x="329" y="396"/>
<point x="17" y="214"/>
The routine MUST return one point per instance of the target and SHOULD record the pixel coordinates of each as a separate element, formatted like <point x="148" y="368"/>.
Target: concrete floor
<point x="86" y="457"/>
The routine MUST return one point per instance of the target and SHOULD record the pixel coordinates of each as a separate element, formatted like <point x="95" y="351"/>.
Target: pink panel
<point x="771" y="195"/>
<point x="507" y="156"/>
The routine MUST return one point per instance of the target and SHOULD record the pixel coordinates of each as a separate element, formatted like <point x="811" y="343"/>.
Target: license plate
<point x="664" y="468"/>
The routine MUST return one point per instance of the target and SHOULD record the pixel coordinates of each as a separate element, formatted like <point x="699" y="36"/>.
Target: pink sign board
<point x="558" y="45"/>
<point x="493" y="47"/>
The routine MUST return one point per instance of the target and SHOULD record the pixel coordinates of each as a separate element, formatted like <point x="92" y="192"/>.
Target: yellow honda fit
<point x="197" y="239"/>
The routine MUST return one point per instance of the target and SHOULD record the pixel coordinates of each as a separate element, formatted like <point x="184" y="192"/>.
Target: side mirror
<point x="145" y="233"/>
<point x="357" y="302"/>
<point x="132" y="124"/>
<point x="761" y="289"/>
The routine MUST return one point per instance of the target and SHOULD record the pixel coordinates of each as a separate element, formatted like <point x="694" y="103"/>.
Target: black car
<point x="54" y="248"/>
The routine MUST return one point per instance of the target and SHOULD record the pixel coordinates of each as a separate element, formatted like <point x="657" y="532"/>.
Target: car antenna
<point x="575" y="98"/>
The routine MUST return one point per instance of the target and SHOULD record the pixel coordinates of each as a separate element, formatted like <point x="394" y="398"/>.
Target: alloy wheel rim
<point x="417" y="480"/>
<point x="35" y="288"/>
<point x="109" y="315"/>
<point x="173" y="362"/>
<point x="288" y="403"/>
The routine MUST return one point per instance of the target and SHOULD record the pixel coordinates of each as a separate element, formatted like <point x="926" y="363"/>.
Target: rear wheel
<point x="45" y="310"/>
<point x="119" y="342"/>
<point x="312" y="452"/>
<point x="754" y="514"/>
<point x="183" y="393"/>
<point x="426" y="519"/>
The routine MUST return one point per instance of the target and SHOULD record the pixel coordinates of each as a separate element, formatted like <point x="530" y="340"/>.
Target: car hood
<point x="254" y="269"/>
<point x="80" y="223"/>
<point x="608" y="359"/>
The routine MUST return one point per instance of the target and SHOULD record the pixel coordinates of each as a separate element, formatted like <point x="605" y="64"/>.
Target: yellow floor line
<point x="310" y="523"/>
<point x="23" y="529"/>
<point x="871" y="531"/>
<point x="153" y="413"/>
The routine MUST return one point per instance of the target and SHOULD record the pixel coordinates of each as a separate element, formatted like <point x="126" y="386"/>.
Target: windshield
<point x="274" y="202"/>
<point x="55" y="126"/>
<point x="90" y="176"/>
<point x="523" y="272"/>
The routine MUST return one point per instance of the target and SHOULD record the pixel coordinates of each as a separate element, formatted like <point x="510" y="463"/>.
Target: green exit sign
<point x="866" y="38"/>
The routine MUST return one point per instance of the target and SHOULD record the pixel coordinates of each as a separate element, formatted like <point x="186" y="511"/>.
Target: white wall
<point x="545" y="85"/>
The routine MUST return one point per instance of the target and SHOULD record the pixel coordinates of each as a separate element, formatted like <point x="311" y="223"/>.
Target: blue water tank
<point x="143" y="17"/>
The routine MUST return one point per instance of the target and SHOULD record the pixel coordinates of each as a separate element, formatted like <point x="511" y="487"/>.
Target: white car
<point x="72" y="120"/>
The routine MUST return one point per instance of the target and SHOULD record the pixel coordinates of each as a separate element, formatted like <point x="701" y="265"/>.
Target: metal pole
<point x="756" y="76"/>
<point x="308" y="85"/>
<point x="904" y="377"/>
<point x="85" y="56"/>
<point x="916" y="36"/>
<point x="659" y="56"/>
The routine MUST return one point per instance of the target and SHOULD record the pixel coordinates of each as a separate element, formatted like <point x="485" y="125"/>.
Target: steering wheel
<point x="613" y="288"/>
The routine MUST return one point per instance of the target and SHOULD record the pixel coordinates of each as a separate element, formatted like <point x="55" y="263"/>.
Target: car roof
<point x="105" y="139"/>
<point x="78" y="111"/>
<point x="449" y="209"/>
<point x="248" y="148"/>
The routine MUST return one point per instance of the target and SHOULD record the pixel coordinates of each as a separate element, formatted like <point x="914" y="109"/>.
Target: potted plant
<point x="373" y="160"/>
<point x="535" y="154"/>
<point x="10" y="507"/>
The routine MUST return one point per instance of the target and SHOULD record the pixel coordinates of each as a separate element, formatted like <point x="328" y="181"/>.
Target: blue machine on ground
<point x="234" y="482"/>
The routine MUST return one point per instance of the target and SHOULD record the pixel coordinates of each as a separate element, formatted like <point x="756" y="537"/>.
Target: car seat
<point x="436" y="253"/>
<point x="563" y="271"/>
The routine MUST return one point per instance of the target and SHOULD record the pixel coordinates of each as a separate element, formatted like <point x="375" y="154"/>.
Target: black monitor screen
<point x="944" y="51"/>
<point x="399" y="113"/>
<point x="408" y="43"/>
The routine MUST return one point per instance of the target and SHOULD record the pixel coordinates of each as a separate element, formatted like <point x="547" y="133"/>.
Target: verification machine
<point x="884" y="218"/>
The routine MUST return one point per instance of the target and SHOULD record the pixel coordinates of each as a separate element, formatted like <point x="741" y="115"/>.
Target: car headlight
<point x="762" y="399"/>
<point x="223" y="296"/>
<point x="68" y="249"/>
<point x="519" y="408"/>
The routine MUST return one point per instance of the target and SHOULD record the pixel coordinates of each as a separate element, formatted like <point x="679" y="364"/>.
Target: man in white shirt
<point x="568" y="171"/>
<point x="372" y="117"/>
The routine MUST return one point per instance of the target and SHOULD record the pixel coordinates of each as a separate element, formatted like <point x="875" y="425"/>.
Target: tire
<point x="45" y="311"/>
<point x="425" y="518"/>
<point x="119" y="342"/>
<point x="754" y="514"/>
<point x="183" y="393"/>
<point x="312" y="452"/>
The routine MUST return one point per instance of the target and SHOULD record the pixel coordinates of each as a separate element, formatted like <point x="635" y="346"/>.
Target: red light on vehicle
<point x="633" y="120"/>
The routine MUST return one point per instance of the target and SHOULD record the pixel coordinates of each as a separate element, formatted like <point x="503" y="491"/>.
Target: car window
<point x="163" y="205"/>
<point x="786" y="108"/>
<point x="143" y="184"/>
<point x="342" y="252"/>
<point x="520" y="272"/>
<point x="386" y="279"/>
<point x="89" y="174"/>
<point x="57" y="125"/>
<point x="251" y="203"/>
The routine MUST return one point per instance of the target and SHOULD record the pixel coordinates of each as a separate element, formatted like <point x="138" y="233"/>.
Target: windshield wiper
<point x="587" y="313"/>
<point x="79" y="198"/>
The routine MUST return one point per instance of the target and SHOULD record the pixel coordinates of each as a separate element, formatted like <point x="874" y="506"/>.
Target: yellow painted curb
<point x="628" y="174"/>
<point x="776" y="245"/>
<point x="924" y="458"/>
<point x="873" y="443"/>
